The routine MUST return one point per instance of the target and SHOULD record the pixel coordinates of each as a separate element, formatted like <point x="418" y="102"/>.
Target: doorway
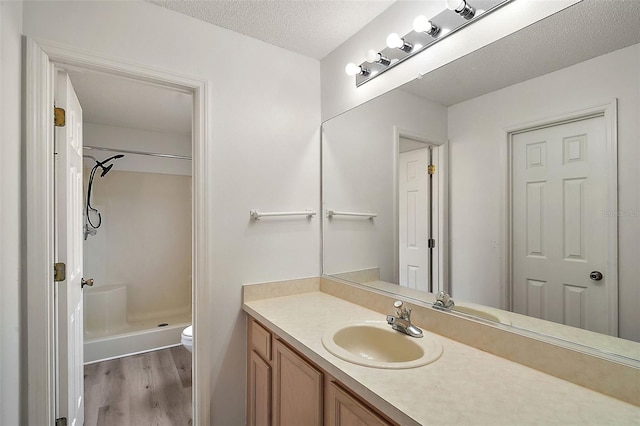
<point x="135" y="140"/>
<point x="562" y="243"/>
<point x="41" y="222"/>
<point x="420" y="195"/>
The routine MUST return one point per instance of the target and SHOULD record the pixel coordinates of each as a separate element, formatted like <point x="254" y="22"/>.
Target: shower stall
<point x="110" y="334"/>
<point x="137" y="249"/>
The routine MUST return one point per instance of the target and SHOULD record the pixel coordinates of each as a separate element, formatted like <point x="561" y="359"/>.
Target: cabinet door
<point x="259" y="391"/>
<point x="297" y="389"/>
<point x="343" y="409"/>
<point x="259" y="340"/>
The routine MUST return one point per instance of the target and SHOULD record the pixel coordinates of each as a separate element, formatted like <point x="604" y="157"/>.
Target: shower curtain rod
<point x="127" y="151"/>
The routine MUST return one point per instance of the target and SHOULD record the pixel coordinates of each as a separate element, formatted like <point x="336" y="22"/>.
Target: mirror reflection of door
<point x="559" y="203"/>
<point x="417" y="199"/>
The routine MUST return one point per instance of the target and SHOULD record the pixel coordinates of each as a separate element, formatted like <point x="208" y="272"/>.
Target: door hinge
<point x="59" y="115"/>
<point x="431" y="243"/>
<point x="431" y="169"/>
<point x="59" y="272"/>
<point x="62" y="421"/>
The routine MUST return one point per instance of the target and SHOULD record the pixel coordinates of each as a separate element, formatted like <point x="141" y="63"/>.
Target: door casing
<point x="41" y="55"/>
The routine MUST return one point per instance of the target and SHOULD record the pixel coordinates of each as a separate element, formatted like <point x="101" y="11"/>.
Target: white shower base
<point x="108" y="336"/>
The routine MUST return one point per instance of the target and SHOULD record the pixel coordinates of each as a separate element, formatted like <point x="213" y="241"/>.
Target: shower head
<point x="106" y="169"/>
<point x="115" y="157"/>
<point x="90" y="226"/>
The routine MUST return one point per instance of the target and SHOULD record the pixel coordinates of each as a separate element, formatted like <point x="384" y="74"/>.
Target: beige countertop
<point x="599" y="341"/>
<point x="465" y="386"/>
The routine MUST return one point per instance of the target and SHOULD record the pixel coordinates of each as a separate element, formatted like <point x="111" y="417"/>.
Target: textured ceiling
<point x="313" y="28"/>
<point x="581" y="32"/>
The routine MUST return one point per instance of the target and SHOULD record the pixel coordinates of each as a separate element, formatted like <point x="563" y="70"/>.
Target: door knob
<point x="88" y="282"/>
<point x="596" y="275"/>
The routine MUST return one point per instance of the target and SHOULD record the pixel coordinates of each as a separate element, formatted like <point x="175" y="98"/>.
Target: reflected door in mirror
<point x="414" y="218"/>
<point x="559" y="200"/>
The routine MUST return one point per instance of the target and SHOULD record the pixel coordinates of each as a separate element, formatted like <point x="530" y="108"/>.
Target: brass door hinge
<point x="431" y="169"/>
<point x="431" y="243"/>
<point x="59" y="119"/>
<point x="59" y="272"/>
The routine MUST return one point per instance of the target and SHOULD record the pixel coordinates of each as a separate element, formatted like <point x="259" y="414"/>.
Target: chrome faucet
<point x="443" y="301"/>
<point x="401" y="321"/>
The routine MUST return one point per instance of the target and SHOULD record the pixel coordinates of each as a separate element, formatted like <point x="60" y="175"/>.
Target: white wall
<point x="104" y="136"/>
<point x="11" y="387"/>
<point x="339" y="92"/>
<point x="263" y="152"/>
<point x="478" y="171"/>
<point x="144" y="241"/>
<point x="359" y="156"/>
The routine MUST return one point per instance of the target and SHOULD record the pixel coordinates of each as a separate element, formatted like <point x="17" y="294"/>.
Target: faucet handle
<point x="444" y="301"/>
<point x="401" y="311"/>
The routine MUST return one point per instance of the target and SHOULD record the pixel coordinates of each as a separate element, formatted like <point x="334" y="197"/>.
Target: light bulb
<point x="421" y="24"/>
<point x="456" y="5"/>
<point x="352" y="69"/>
<point x="394" y="41"/>
<point x="462" y="8"/>
<point x="397" y="42"/>
<point x="372" y="56"/>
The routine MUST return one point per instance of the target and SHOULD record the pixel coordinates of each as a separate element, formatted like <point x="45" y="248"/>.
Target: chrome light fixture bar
<point x="427" y="32"/>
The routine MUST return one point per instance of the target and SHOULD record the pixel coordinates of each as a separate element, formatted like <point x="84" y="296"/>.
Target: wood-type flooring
<point x="152" y="388"/>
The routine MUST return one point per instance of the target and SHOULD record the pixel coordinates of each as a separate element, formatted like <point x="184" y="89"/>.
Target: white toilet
<point x="187" y="338"/>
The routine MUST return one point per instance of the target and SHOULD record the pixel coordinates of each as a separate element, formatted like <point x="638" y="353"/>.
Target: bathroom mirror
<point x="507" y="178"/>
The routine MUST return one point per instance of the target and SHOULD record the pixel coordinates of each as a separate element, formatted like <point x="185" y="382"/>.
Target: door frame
<point x="441" y="158"/>
<point x="41" y="56"/>
<point x="609" y="112"/>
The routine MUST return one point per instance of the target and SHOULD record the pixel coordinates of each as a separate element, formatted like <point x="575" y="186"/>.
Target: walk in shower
<point x="137" y="247"/>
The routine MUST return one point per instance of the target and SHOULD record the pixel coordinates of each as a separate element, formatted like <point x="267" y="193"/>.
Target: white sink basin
<point x="376" y="344"/>
<point x="482" y="312"/>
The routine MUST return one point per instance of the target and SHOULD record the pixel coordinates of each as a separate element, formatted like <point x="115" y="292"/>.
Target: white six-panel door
<point x="68" y="238"/>
<point x="559" y="196"/>
<point x="413" y="188"/>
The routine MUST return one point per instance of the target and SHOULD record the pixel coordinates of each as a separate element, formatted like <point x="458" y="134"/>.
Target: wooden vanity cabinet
<point x="297" y="389"/>
<point x="259" y="391"/>
<point x="259" y="375"/>
<point x="285" y="389"/>
<point x="342" y="408"/>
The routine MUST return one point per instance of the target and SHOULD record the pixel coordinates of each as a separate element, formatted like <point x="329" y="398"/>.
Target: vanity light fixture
<point x="352" y="69"/>
<point x="462" y="8"/>
<point x="397" y="42"/>
<point x="423" y="25"/>
<point x="426" y="32"/>
<point x="377" y="57"/>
